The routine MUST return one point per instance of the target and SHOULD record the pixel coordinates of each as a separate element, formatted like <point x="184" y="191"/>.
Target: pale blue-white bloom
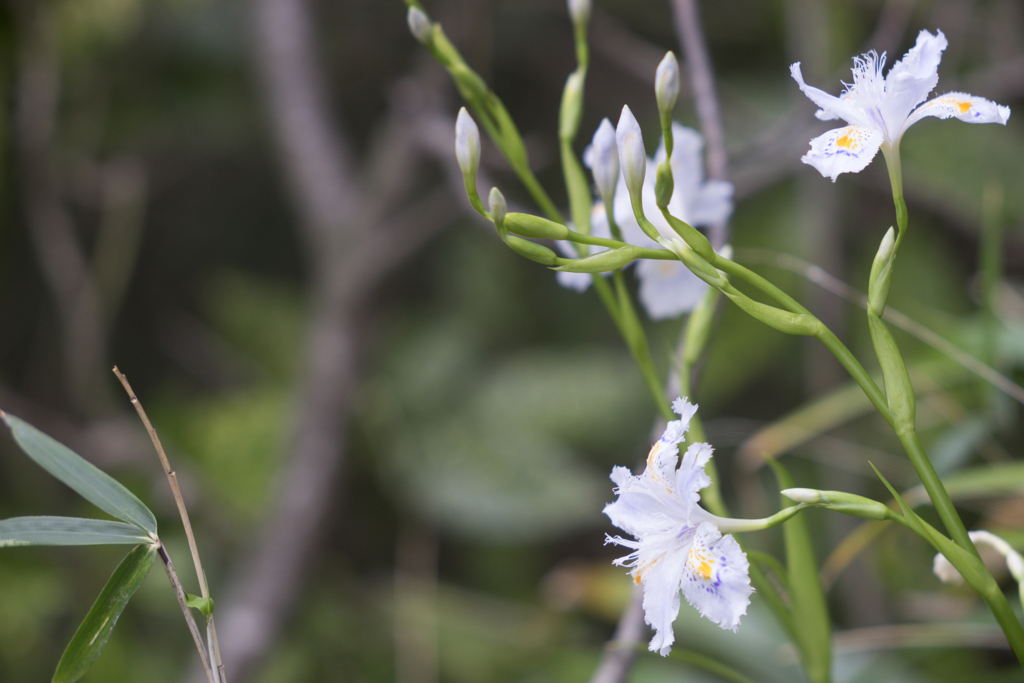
<point x="667" y="288"/>
<point x="879" y="110"/>
<point x="602" y="158"/>
<point x="679" y="546"/>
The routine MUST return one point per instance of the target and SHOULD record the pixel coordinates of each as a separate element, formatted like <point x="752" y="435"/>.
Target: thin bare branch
<point x="179" y="593"/>
<point x="620" y="651"/>
<point x="172" y="479"/>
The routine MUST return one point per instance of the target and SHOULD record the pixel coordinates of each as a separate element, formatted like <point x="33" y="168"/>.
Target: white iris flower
<point x="879" y="110"/>
<point x="667" y="288"/>
<point x="679" y="546"/>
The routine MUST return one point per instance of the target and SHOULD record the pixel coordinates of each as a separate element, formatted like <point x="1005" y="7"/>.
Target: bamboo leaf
<point x="86" y="479"/>
<point x="811" y="625"/>
<point x="204" y="605"/>
<point x="92" y="635"/>
<point x="18" y="531"/>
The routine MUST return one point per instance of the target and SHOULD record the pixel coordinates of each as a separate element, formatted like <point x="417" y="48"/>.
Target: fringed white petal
<point x="911" y="79"/>
<point x="716" y="578"/>
<point x="967" y="108"/>
<point x="843" y="150"/>
<point x="831" y="107"/>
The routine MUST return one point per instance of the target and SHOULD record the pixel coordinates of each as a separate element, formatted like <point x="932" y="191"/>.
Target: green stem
<point x="856" y="370"/>
<point x="1007" y="620"/>
<point x="936" y="491"/>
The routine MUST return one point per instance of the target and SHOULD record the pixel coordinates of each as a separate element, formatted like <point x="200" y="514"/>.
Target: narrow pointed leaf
<point x="86" y="479"/>
<point x="204" y="605"/>
<point x="18" y="531"/>
<point x="92" y="635"/>
<point x="811" y="625"/>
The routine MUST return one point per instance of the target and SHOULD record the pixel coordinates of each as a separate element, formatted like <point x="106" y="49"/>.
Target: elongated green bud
<point x="572" y="106"/>
<point x="532" y="250"/>
<point x="536" y="227"/>
<point x="783" y="321"/>
<point x="880" y="280"/>
<point x="604" y="261"/>
<point x="899" y="392"/>
<point x="847" y="503"/>
<point x="663" y="185"/>
<point x="498" y="210"/>
<point x="695" y="262"/>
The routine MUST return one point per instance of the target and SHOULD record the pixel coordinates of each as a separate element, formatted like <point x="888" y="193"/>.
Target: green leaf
<point x="811" y="626"/>
<point x="204" y="605"/>
<point x="86" y="479"/>
<point x="67" y="531"/>
<point x="92" y="635"/>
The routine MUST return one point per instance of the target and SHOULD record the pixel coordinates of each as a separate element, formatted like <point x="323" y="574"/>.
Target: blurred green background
<point x="394" y="435"/>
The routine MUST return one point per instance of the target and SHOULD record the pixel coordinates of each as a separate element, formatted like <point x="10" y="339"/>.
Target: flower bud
<point x="532" y="250"/>
<point x="536" y="227"/>
<point x="781" y="320"/>
<point x="840" y="501"/>
<point x="499" y="208"/>
<point x="664" y="185"/>
<point x="880" y="279"/>
<point x="467" y="143"/>
<point x="602" y="156"/>
<point x="604" y="261"/>
<point x="899" y="391"/>
<point x="666" y="84"/>
<point x="803" y="495"/>
<point x="419" y="25"/>
<point x="572" y="106"/>
<point x="632" y="156"/>
<point x="579" y="11"/>
<point x="695" y="262"/>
